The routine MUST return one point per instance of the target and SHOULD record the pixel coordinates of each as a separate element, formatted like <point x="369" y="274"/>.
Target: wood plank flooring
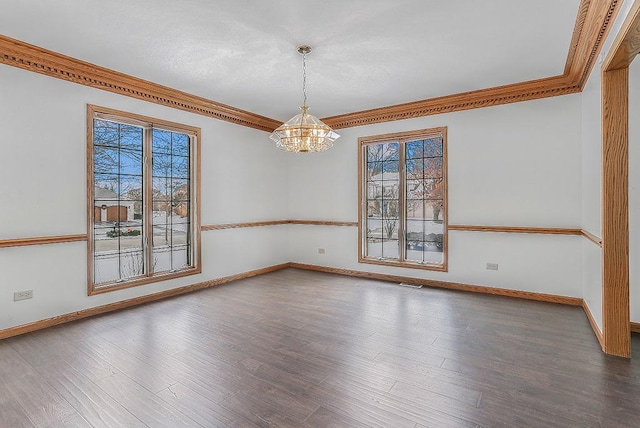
<point x="306" y="349"/>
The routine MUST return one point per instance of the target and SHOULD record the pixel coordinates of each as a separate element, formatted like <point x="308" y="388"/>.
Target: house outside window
<point x="142" y="200"/>
<point x="403" y="199"/>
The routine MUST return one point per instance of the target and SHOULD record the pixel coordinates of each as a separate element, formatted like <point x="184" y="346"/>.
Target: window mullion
<point x="147" y="192"/>
<point x="402" y="221"/>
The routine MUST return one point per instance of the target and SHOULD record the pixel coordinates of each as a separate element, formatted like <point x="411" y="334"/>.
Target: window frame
<point x="148" y="123"/>
<point x="402" y="138"/>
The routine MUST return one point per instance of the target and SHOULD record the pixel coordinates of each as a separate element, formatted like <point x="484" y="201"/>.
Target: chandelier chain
<point x="304" y="78"/>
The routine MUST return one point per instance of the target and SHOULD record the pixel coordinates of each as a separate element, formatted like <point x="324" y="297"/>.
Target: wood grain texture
<point x="550" y="298"/>
<point x="42" y="240"/>
<point x="597" y="23"/>
<point x="635" y="327"/>
<point x="39" y="60"/>
<point x="61" y="319"/>
<point x="325" y="223"/>
<point x="615" y="212"/>
<point x="242" y="225"/>
<point x="626" y="45"/>
<point x="591" y="237"/>
<point x="583" y="9"/>
<point x="594" y="325"/>
<point x="305" y="349"/>
<point x="517" y="229"/>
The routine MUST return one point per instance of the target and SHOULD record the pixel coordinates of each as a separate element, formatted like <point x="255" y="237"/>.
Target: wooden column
<point x="615" y="212"/>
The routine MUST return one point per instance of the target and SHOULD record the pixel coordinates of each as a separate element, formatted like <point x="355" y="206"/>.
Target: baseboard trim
<point x="111" y="307"/>
<point x="85" y="313"/>
<point x="551" y="298"/>
<point x="594" y="325"/>
<point x="635" y="327"/>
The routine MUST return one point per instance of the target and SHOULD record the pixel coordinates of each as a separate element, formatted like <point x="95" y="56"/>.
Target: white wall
<point x="592" y="174"/>
<point x="592" y="195"/>
<point x="634" y="189"/>
<point x="510" y="165"/>
<point x="43" y="193"/>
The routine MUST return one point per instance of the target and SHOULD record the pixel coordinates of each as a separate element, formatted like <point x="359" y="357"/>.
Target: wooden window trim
<point x="143" y="121"/>
<point x="401" y="137"/>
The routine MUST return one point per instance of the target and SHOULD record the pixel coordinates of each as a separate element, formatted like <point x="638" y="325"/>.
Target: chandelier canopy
<point x="304" y="132"/>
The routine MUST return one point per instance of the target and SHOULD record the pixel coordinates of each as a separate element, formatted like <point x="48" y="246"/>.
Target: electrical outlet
<point x="320" y="250"/>
<point x="492" y="266"/>
<point x="22" y="295"/>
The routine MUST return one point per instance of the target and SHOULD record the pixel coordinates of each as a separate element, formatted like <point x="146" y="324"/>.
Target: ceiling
<point x="366" y="53"/>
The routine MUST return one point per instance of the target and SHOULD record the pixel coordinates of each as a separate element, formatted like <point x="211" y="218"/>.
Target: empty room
<point x="319" y="214"/>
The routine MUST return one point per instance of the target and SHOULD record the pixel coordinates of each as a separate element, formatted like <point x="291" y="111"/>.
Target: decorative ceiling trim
<point x="592" y="25"/>
<point x="600" y="15"/>
<point x="590" y="30"/>
<point x="33" y="58"/>
<point x="577" y="32"/>
<point x="549" y="87"/>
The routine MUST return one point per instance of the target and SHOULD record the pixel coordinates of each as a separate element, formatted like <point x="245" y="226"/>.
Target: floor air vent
<point x="404" y="284"/>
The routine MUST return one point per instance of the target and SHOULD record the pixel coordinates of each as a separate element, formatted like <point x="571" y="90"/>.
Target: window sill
<point x="134" y="282"/>
<point x="410" y="265"/>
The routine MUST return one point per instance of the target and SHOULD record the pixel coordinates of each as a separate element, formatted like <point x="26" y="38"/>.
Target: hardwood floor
<point x="305" y="349"/>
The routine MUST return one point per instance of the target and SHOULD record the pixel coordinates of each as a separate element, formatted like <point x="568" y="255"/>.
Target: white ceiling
<point x="367" y="53"/>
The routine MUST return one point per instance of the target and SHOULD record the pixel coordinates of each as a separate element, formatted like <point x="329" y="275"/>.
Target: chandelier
<point x="304" y="132"/>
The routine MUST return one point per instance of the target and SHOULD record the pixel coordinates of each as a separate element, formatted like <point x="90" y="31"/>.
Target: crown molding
<point x="590" y="30"/>
<point x="525" y="91"/>
<point x="39" y="60"/>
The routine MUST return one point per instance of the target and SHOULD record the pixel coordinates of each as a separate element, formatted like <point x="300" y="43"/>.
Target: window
<point x="143" y="200"/>
<point x="403" y="199"/>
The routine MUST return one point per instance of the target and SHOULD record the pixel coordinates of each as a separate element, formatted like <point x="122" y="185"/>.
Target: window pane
<point x="180" y="257"/>
<point x="117" y="196"/>
<point x="105" y="160"/>
<point x="374" y="248"/>
<point x="415" y="209"/>
<point x="390" y="170"/>
<point x="130" y="162"/>
<point x="180" y="145"/>
<point x="180" y="167"/>
<point x="414" y="169"/>
<point x="414" y="150"/>
<point x="415" y="189"/>
<point x="105" y="133"/>
<point x="374" y="229"/>
<point x="161" y="142"/>
<point x="120" y="236"/>
<point x="131" y="263"/>
<point x="162" y="165"/>
<point x="433" y="167"/>
<point x="390" y="228"/>
<point x="131" y="138"/>
<point x="390" y="151"/>
<point x="106" y="267"/>
<point x="161" y="258"/>
<point x="419" y="216"/>
<point x="374" y="170"/>
<point x="434" y="209"/>
<point x="390" y="249"/>
<point x="433" y="147"/>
